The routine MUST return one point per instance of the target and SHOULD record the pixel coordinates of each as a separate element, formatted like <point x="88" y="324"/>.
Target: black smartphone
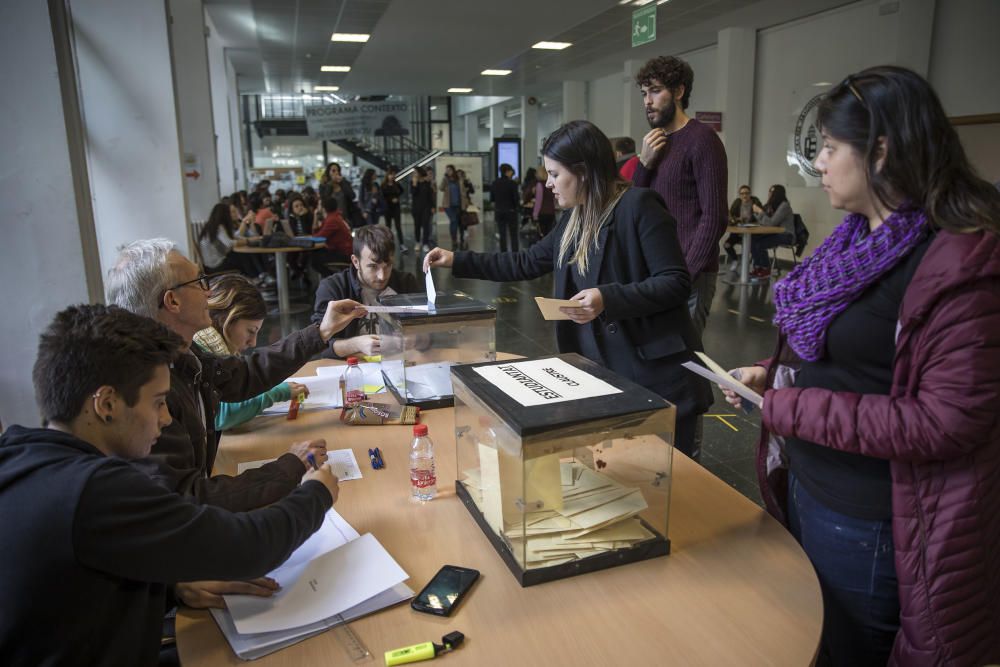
<point x="443" y="593"/>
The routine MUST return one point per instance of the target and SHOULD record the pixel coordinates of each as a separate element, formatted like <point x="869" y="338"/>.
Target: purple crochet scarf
<point x="832" y="277"/>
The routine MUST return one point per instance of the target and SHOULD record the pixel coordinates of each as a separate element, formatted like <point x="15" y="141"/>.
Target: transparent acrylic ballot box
<point x="564" y="465"/>
<point x="418" y="348"/>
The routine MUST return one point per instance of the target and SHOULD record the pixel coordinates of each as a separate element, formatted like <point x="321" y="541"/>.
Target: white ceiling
<point x="423" y="47"/>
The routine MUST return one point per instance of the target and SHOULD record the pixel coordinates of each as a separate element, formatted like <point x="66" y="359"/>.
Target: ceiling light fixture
<point x="349" y="37"/>
<point x="460" y="90"/>
<point x="660" y="2"/>
<point x="326" y="89"/>
<point x="335" y="68"/>
<point x="640" y="3"/>
<point x="553" y="46"/>
<point x="495" y="72"/>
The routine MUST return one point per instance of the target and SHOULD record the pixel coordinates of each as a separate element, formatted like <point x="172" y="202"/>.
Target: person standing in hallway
<point x="506" y="202"/>
<point x="544" y="208"/>
<point x="422" y="207"/>
<point x="615" y="250"/>
<point x="880" y="443"/>
<point x="625" y="157"/>
<point x="453" y="202"/>
<point x="685" y="162"/>
<point x="391" y="192"/>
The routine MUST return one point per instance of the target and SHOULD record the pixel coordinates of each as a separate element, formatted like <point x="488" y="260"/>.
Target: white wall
<point x="194" y="105"/>
<point x="791" y="60"/>
<point x="220" y="108"/>
<point x="965" y="56"/>
<point x="237" y="142"/>
<point x="130" y="118"/>
<point x="604" y="107"/>
<point x="41" y="263"/>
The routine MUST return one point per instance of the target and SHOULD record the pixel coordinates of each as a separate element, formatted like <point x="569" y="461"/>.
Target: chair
<point x="796" y="247"/>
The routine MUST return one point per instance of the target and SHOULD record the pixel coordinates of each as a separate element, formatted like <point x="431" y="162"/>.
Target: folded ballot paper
<point x="334" y="577"/>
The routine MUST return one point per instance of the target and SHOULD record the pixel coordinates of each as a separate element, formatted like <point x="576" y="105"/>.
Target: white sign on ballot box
<point x="545" y="381"/>
<point x="358" y="119"/>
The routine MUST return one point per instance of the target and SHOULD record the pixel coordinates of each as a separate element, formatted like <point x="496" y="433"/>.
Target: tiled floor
<point x="739" y="332"/>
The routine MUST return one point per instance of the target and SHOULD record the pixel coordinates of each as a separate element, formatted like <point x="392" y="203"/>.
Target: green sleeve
<point x="234" y="414"/>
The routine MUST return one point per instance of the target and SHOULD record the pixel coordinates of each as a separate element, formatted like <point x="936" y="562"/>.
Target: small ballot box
<point x="564" y="465"/>
<point x="420" y="346"/>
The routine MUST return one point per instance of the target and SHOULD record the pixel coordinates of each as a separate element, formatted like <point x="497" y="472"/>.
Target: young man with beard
<point x="685" y="162"/>
<point x="369" y="277"/>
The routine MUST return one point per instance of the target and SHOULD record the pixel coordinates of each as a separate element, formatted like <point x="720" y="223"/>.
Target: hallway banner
<point x="355" y="120"/>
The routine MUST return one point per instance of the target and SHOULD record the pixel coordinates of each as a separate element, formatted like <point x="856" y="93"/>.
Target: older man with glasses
<point x="741" y="212"/>
<point x="153" y="279"/>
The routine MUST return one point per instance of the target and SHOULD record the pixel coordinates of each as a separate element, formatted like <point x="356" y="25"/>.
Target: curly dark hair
<point x="87" y="347"/>
<point x="671" y="72"/>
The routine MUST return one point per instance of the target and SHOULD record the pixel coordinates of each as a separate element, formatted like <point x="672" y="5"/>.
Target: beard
<point x="664" y="116"/>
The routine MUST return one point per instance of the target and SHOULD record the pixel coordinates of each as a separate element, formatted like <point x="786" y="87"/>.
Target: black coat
<point x="645" y="331"/>
<point x="91" y="545"/>
<point x="184" y="455"/>
<point x="506" y="195"/>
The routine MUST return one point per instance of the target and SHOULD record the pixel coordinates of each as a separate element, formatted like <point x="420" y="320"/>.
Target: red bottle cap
<point x="352" y="361"/>
<point x="420" y="430"/>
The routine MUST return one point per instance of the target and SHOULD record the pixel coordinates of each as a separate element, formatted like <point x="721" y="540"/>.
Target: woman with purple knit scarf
<point x="880" y="443"/>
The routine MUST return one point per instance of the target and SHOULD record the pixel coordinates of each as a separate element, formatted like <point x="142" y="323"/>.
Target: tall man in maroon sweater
<point x="685" y="162"/>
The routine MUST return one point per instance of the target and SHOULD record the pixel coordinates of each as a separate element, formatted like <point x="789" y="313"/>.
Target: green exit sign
<point x="644" y="25"/>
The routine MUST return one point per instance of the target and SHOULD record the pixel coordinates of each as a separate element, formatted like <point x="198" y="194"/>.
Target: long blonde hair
<point x="584" y="150"/>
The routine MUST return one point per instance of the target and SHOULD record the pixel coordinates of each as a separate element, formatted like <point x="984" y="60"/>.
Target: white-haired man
<point x="152" y="278"/>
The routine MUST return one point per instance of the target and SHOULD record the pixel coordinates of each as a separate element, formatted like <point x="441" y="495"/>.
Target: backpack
<point x="801" y="235"/>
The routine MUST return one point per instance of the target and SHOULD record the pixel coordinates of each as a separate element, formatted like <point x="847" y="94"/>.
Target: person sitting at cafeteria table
<point x="338" y="238"/>
<point x="153" y="279"/>
<point x="741" y="212"/>
<point x="370" y="277"/>
<point x="776" y="213"/>
<point x="91" y="544"/>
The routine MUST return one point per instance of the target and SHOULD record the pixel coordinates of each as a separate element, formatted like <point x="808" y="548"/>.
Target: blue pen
<point x="373" y="459"/>
<point x="312" y="461"/>
<point x="378" y="455"/>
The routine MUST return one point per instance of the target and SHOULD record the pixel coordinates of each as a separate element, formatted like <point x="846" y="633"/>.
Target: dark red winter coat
<point x="940" y="430"/>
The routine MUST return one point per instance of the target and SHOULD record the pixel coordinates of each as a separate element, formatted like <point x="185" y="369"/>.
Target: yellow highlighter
<point x="425" y="651"/>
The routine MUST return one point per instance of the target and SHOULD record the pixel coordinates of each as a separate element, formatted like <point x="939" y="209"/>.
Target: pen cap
<point x="420" y="430"/>
<point x="352" y="361"/>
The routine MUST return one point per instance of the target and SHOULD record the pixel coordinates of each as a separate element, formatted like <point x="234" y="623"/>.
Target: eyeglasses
<point x="201" y="280"/>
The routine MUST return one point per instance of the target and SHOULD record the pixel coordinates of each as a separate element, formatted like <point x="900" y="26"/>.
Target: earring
<point x="107" y="418"/>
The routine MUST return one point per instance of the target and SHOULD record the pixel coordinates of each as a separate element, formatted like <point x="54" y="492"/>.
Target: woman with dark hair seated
<point x="777" y="212"/>
<point x="615" y="250"/>
<point x="217" y="240"/>
<point x="880" y="443"/>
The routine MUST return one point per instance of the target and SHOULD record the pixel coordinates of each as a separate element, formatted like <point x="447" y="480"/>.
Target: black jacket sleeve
<point x="239" y="378"/>
<point x="130" y="527"/>
<point x="669" y="283"/>
<point x="527" y="264"/>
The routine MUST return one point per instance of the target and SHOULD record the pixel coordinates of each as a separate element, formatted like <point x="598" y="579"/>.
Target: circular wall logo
<point x="806" y="137"/>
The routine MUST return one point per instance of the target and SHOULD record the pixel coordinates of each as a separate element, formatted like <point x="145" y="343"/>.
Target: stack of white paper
<point x="335" y="576"/>
<point x="342" y="462"/>
<point x="324" y="394"/>
<point x="596" y="515"/>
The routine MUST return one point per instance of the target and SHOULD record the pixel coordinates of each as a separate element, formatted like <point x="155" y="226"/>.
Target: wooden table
<point x="747" y="232"/>
<point x="281" y="269"/>
<point x="736" y="589"/>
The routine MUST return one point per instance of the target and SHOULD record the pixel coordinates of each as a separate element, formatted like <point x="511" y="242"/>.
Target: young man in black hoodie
<point x="91" y="545"/>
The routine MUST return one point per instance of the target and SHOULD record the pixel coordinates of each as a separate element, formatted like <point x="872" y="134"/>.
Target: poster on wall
<point x="358" y="119"/>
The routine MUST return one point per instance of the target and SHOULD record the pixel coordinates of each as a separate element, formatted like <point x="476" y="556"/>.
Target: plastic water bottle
<point x="354" y="383"/>
<point x="423" y="479"/>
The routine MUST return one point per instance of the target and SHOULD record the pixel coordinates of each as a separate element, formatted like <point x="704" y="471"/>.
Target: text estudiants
<point x="534" y="385"/>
